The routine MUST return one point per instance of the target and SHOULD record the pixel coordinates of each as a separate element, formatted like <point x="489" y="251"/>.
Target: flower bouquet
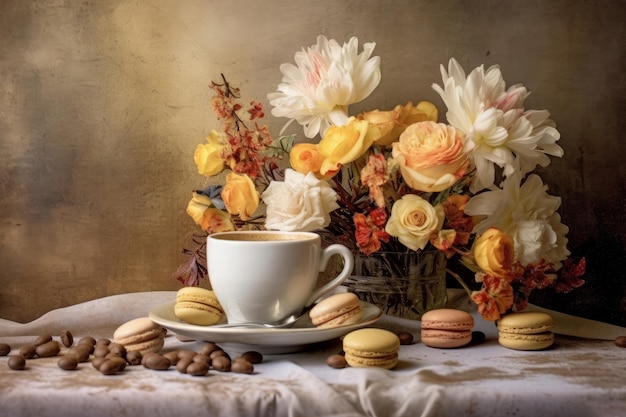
<point x="392" y="181"/>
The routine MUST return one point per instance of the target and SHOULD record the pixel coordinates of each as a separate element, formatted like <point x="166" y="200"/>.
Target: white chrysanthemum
<point x="326" y="79"/>
<point x="499" y="132"/>
<point x="528" y="214"/>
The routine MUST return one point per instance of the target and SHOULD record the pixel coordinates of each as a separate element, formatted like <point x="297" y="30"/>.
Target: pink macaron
<point x="446" y="328"/>
<point x="337" y="310"/>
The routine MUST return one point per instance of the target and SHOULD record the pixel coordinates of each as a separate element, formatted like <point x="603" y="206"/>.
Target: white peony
<point x="326" y="79"/>
<point x="499" y="131"/>
<point x="299" y="203"/>
<point x="528" y="214"/>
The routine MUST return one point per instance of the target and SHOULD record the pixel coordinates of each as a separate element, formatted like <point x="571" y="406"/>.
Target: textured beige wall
<point x="102" y="103"/>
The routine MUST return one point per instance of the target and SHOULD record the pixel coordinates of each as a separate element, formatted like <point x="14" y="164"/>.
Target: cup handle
<point x="348" y="265"/>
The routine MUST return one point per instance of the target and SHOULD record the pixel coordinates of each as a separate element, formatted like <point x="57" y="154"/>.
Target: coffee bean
<point x="252" y="356"/>
<point x="406" y="338"/>
<point x="201" y="357"/>
<point x="172" y="356"/>
<point x="209" y="348"/>
<point x="87" y="340"/>
<point x="44" y="338"/>
<point x="16" y="362"/>
<point x="156" y="362"/>
<point x="199" y="368"/>
<point x="336" y="361"/>
<point x="477" y="337"/>
<point x="242" y="366"/>
<point x="97" y="362"/>
<point x="134" y="357"/>
<point x="68" y="363"/>
<point x="221" y="363"/>
<point x="81" y="353"/>
<point x="117" y="349"/>
<point x="27" y="351"/>
<point x="48" y="349"/>
<point x="4" y="349"/>
<point x="217" y="353"/>
<point x="103" y="341"/>
<point x="620" y="341"/>
<point x="110" y="366"/>
<point x="101" y="351"/>
<point x="182" y="364"/>
<point x="66" y="338"/>
<point x="186" y="353"/>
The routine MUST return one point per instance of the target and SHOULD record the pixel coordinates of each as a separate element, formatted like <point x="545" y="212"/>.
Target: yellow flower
<point x="240" y="195"/>
<point x="414" y="220"/>
<point x="431" y="156"/>
<point x="494" y="252"/>
<point x="305" y="158"/>
<point x="393" y="122"/>
<point x="344" y="144"/>
<point x="210" y="219"/>
<point x="208" y="157"/>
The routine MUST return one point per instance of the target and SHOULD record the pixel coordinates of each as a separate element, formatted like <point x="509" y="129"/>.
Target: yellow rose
<point x="414" y="220"/>
<point x="240" y="195"/>
<point x="344" y="144"/>
<point x="210" y="219"/>
<point x="208" y="157"/>
<point x="494" y="252"/>
<point x="305" y="158"/>
<point x="430" y="156"/>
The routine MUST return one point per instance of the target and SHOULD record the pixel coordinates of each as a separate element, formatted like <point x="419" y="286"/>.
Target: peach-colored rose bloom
<point x="240" y="195"/>
<point x="494" y="252"/>
<point x="393" y="122"/>
<point x="430" y="156"/>
<point x="344" y="144"/>
<point x="414" y="220"/>
<point x="208" y="156"/>
<point x="210" y="219"/>
<point x="305" y="158"/>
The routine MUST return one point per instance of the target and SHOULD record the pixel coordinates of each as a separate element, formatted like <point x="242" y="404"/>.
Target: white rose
<point x="414" y="220"/>
<point x="300" y="203"/>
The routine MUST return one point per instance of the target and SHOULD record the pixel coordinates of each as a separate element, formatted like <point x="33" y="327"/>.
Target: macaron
<point x="526" y="330"/>
<point x="370" y="347"/>
<point x="140" y="334"/>
<point x="337" y="310"/>
<point x="446" y="328"/>
<point x="198" y="306"/>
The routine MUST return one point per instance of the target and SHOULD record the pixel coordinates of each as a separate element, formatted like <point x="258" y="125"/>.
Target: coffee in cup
<point x="266" y="276"/>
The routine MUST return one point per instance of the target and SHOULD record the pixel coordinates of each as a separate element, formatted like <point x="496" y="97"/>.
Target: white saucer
<point x="269" y="341"/>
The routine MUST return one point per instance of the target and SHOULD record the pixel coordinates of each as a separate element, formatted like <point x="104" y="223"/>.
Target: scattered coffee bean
<point x="68" y="363"/>
<point x="103" y="341"/>
<point x="87" y="340"/>
<point x="27" y="351"/>
<point x="336" y="361"/>
<point x="209" y="348"/>
<point x="172" y="356"/>
<point x="620" y="341"/>
<point x="477" y="337"/>
<point x="134" y="357"/>
<point x="101" y="351"/>
<point x="81" y="353"/>
<point x="96" y="362"/>
<point x="4" y="349"/>
<point x="186" y="353"/>
<point x="48" y="349"/>
<point x="66" y="338"/>
<point x="44" y="338"/>
<point x="201" y="357"/>
<point x="156" y="362"/>
<point x="199" y="368"/>
<point x="406" y="338"/>
<point x="242" y="366"/>
<point x="252" y="356"/>
<point x="183" y="363"/>
<point x="16" y="362"/>
<point x="111" y="366"/>
<point x="117" y="349"/>
<point x="217" y="353"/>
<point x="221" y="363"/>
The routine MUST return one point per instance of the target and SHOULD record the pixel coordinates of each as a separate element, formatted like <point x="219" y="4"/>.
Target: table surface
<point x="576" y="377"/>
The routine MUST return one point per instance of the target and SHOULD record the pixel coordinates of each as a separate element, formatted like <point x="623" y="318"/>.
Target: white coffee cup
<point x="266" y="276"/>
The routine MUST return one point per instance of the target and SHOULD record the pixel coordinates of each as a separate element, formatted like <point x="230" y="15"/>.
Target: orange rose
<point x="210" y="219"/>
<point x="208" y="157"/>
<point x="305" y="158"/>
<point x="240" y="195"/>
<point x="431" y="156"/>
<point x="494" y="252"/>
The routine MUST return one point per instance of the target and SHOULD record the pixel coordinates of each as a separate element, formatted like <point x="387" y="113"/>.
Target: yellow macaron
<point x="199" y="306"/>
<point x="336" y="310"/>
<point x="526" y="330"/>
<point x="371" y="347"/>
<point x="140" y="334"/>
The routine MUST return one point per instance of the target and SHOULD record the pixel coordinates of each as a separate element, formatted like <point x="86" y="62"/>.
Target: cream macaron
<point x="371" y="347"/>
<point x="199" y="306"/>
<point x="526" y="330"/>
<point x="446" y="328"/>
<point x="140" y="334"/>
<point x="336" y="310"/>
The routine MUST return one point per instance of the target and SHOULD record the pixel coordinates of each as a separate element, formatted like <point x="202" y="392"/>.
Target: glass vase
<point x="401" y="284"/>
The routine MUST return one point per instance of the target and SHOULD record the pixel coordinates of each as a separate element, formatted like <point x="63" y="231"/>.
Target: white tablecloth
<point x="577" y="377"/>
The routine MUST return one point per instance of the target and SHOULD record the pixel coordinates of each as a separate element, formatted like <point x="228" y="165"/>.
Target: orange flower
<point x="374" y="175"/>
<point x="305" y="158"/>
<point x="240" y="195"/>
<point x="494" y="252"/>
<point x="370" y="230"/>
<point x="495" y="298"/>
